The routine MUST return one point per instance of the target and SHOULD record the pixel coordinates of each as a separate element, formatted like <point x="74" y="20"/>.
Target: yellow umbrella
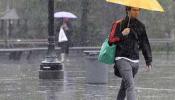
<point x="144" y="4"/>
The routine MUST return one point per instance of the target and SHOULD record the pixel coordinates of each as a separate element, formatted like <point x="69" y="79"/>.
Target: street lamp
<point x="51" y="68"/>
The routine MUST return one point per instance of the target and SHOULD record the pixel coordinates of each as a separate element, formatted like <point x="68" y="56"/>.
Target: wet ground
<point x="19" y="80"/>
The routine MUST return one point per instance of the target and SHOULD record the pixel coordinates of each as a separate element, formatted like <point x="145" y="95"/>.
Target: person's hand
<point x="126" y="31"/>
<point x="65" y="27"/>
<point x="148" y="68"/>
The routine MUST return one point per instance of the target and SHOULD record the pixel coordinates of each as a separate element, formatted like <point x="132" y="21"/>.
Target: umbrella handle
<point x="129" y="20"/>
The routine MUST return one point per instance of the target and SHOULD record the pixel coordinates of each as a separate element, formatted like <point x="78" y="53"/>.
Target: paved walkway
<point x="19" y="80"/>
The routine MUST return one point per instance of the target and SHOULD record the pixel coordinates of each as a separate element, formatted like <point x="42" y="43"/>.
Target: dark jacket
<point x="129" y="46"/>
<point x="67" y="32"/>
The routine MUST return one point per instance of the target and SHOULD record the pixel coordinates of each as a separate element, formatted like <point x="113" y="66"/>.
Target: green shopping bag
<point x="107" y="53"/>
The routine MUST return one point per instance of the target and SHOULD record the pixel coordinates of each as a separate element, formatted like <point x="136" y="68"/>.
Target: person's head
<point x="133" y="12"/>
<point x="65" y="20"/>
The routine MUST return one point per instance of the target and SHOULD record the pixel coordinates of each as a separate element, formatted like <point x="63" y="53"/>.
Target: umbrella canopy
<point x="64" y="14"/>
<point x="10" y="14"/>
<point x="144" y="4"/>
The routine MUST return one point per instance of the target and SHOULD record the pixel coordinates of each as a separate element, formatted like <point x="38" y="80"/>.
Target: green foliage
<point x="160" y="23"/>
<point x="100" y="15"/>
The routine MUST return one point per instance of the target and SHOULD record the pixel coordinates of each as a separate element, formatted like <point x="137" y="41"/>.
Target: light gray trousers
<point x="127" y="70"/>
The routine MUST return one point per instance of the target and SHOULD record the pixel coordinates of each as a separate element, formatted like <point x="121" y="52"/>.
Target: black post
<point x="51" y="68"/>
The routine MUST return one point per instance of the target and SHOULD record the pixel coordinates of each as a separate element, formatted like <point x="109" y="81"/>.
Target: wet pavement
<point x="19" y="80"/>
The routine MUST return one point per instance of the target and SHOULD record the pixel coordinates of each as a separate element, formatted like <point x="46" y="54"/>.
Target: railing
<point x="25" y="41"/>
<point x="17" y="51"/>
<point x="34" y="43"/>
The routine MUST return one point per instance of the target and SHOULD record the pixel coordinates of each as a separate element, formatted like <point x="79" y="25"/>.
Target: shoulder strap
<point x="119" y="22"/>
<point x="116" y="23"/>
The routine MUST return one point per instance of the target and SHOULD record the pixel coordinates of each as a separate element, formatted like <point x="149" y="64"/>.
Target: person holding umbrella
<point x="64" y="32"/>
<point x="66" y="26"/>
<point x="129" y="36"/>
<point x="132" y="35"/>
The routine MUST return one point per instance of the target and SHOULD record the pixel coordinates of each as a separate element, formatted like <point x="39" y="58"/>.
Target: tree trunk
<point x="84" y="22"/>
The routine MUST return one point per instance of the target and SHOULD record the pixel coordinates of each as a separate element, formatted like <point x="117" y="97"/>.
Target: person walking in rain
<point x="129" y="35"/>
<point x="67" y="28"/>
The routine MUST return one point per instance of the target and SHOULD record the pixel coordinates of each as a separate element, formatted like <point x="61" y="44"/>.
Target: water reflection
<point x="96" y="92"/>
<point x="51" y="88"/>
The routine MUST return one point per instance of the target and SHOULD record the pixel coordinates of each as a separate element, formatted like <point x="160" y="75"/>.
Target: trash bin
<point x="96" y="72"/>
